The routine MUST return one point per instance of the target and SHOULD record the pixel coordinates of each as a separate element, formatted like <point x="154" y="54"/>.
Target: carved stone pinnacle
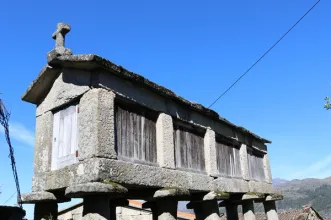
<point x="59" y="36"/>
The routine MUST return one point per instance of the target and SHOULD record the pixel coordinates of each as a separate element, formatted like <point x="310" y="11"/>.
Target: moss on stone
<point x="260" y="195"/>
<point x="277" y="196"/>
<point x="222" y="194"/>
<point x="115" y="185"/>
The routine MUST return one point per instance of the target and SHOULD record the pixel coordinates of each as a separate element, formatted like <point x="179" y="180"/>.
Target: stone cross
<point x="59" y="35"/>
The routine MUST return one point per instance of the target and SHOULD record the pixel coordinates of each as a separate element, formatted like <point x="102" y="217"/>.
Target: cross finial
<point x="59" y="35"/>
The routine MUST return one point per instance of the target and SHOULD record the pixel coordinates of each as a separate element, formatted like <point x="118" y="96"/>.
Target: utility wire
<point x="9" y="198"/>
<point x="263" y="55"/>
<point x="4" y="122"/>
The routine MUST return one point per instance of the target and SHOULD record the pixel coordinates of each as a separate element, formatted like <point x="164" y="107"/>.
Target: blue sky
<point x="195" y="48"/>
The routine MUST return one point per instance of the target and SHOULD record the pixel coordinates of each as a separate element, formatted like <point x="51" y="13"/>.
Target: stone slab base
<point x="141" y="176"/>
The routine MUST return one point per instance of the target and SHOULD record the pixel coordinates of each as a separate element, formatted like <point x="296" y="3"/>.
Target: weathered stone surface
<point x="267" y="169"/>
<point x="270" y="210"/>
<point x="60" y="33"/>
<point x="96" y="125"/>
<point x="216" y="196"/>
<point x="274" y="197"/>
<point x="165" y="209"/>
<point x="171" y="192"/>
<point x="165" y="141"/>
<point x="207" y="210"/>
<point x="139" y="175"/>
<point x="36" y="197"/>
<point x="210" y="152"/>
<point x="230" y="185"/>
<point x="83" y="172"/>
<point x="261" y="187"/>
<point x="43" y="143"/>
<point x="69" y="85"/>
<point x="40" y="87"/>
<point x="90" y="61"/>
<point x="95" y="188"/>
<point x="244" y="161"/>
<point x="59" y="51"/>
<point x="252" y="196"/>
<point x="248" y="210"/>
<point x="97" y="207"/>
<point x="59" y="36"/>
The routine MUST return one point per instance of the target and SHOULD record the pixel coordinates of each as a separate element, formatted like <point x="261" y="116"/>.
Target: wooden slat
<point x="64" y="137"/>
<point x="189" y="150"/>
<point x="228" y="159"/>
<point x="135" y="135"/>
<point x="255" y="166"/>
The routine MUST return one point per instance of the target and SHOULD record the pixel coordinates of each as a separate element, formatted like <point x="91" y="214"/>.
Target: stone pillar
<point x="270" y="210"/>
<point x="43" y="143"/>
<point x="114" y="203"/>
<point x="97" y="207"/>
<point x="45" y="210"/>
<point x="232" y="211"/>
<point x="96" y="125"/>
<point x="210" y="152"/>
<point x="164" y="203"/>
<point x="248" y="210"/>
<point x="165" y="209"/>
<point x="205" y="210"/>
<point x="96" y="199"/>
<point x="45" y="204"/>
<point x="267" y="169"/>
<point x="165" y="141"/>
<point x="244" y="162"/>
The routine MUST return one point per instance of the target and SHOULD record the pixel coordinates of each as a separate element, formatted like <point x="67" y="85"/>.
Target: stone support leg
<point x="270" y="210"/>
<point x="248" y="210"/>
<point x="45" y="210"/>
<point x="232" y="211"/>
<point x="208" y="210"/>
<point x="97" y="207"/>
<point x="165" y="209"/>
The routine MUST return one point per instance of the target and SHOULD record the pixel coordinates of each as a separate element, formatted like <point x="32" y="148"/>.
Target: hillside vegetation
<point x="297" y="193"/>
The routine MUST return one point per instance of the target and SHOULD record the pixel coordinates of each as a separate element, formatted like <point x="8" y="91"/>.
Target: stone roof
<point x="40" y="87"/>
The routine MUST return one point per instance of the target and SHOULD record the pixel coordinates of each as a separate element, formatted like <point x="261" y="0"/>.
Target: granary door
<point x="64" y="148"/>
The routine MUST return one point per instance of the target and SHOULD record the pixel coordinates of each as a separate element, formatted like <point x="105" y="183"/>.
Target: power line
<point x="9" y="198"/>
<point x="263" y="55"/>
<point x="4" y="122"/>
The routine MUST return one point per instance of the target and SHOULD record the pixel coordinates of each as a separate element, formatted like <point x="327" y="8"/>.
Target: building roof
<point x="298" y="214"/>
<point x="40" y="87"/>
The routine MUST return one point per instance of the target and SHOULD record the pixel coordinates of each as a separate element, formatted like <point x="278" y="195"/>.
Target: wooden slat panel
<point x="135" y="135"/>
<point x="255" y="166"/>
<point x="228" y="160"/>
<point x="189" y="149"/>
<point x="64" y="137"/>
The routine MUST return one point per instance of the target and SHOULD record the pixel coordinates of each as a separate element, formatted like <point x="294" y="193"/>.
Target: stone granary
<point x="107" y="135"/>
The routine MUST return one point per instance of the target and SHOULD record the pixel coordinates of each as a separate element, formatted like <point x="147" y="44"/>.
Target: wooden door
<point x="64" y="137"/>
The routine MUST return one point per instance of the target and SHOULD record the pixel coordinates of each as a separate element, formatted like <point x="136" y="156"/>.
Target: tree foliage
<point x="327" y="105"/>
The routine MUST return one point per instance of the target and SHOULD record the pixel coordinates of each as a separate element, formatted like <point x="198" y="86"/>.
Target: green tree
<point x="327" y="105"/>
